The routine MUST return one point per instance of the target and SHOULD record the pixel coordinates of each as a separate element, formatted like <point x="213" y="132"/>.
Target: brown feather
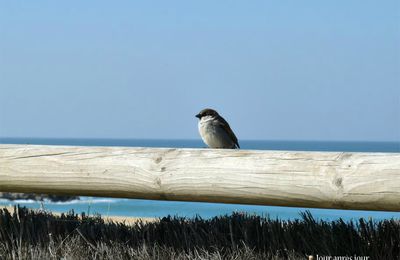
<point x="228" y="129"/>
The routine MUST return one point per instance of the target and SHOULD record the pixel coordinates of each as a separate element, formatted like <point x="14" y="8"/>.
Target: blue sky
<point x="276" y="70"/>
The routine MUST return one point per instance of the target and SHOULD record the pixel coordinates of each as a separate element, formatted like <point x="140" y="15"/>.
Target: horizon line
<point x="197" y="139"/>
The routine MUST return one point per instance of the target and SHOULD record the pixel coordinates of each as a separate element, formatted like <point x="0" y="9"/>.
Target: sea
<point x="158" y="209"/>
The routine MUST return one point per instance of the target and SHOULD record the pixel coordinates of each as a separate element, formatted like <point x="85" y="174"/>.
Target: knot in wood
<point x="158" y="182"/>
<point x="158" y="160"/>
<point x="338" y="182"/>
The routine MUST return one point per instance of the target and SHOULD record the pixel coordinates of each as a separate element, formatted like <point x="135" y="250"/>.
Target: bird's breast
<point x="214" y="135"/>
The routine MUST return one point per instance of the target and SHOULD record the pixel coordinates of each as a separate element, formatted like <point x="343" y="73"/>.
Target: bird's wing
<point x="228" y="129"/>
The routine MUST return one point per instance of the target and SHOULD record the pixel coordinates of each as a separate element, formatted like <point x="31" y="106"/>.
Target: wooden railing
<point x="369" y="181"/>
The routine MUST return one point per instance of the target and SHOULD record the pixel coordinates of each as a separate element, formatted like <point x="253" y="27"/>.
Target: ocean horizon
<point x="295" y="145"/>
<point x="155" y="208"/>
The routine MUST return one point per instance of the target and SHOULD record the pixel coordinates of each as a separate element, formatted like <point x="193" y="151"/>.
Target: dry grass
<point x="27" y="234"/>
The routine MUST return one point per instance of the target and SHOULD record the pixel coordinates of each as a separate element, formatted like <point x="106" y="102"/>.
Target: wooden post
<point x="369" y="181"/>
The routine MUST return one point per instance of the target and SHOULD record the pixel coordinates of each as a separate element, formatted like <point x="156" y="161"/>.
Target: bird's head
<point x="207" y="112"/>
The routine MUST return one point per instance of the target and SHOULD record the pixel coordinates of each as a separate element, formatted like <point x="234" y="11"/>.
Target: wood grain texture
<point x="368" y="181"/>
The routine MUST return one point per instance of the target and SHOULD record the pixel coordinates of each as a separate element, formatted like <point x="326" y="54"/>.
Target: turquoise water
<point x="153" y="208"/>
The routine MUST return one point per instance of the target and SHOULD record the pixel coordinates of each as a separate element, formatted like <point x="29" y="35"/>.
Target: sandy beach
<point x="120" y="219"/>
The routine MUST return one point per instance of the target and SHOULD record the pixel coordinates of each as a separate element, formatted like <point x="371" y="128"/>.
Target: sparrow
<point x="215" y="131"/>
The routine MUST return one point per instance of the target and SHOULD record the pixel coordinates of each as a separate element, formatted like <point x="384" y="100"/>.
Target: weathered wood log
<point x="369" y="181"/>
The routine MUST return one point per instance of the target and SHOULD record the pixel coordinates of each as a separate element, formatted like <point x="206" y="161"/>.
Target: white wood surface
<point x="285" y="178"/>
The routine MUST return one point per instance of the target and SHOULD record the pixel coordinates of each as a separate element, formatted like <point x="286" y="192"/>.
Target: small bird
<point x="215" y="131"/>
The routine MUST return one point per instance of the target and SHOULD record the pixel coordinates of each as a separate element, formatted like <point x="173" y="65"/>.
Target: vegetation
<point x="37" y="197"/>
<point x="27" y="234"/>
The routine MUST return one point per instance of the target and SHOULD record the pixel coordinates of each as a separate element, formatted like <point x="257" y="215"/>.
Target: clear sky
<point x="276" y="70"/>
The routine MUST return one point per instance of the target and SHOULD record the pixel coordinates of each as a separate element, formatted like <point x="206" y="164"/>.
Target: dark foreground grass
<point x="26" y="234"/>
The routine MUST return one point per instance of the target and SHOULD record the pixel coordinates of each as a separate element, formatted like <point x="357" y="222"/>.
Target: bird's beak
<point x="198" y="116"/>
